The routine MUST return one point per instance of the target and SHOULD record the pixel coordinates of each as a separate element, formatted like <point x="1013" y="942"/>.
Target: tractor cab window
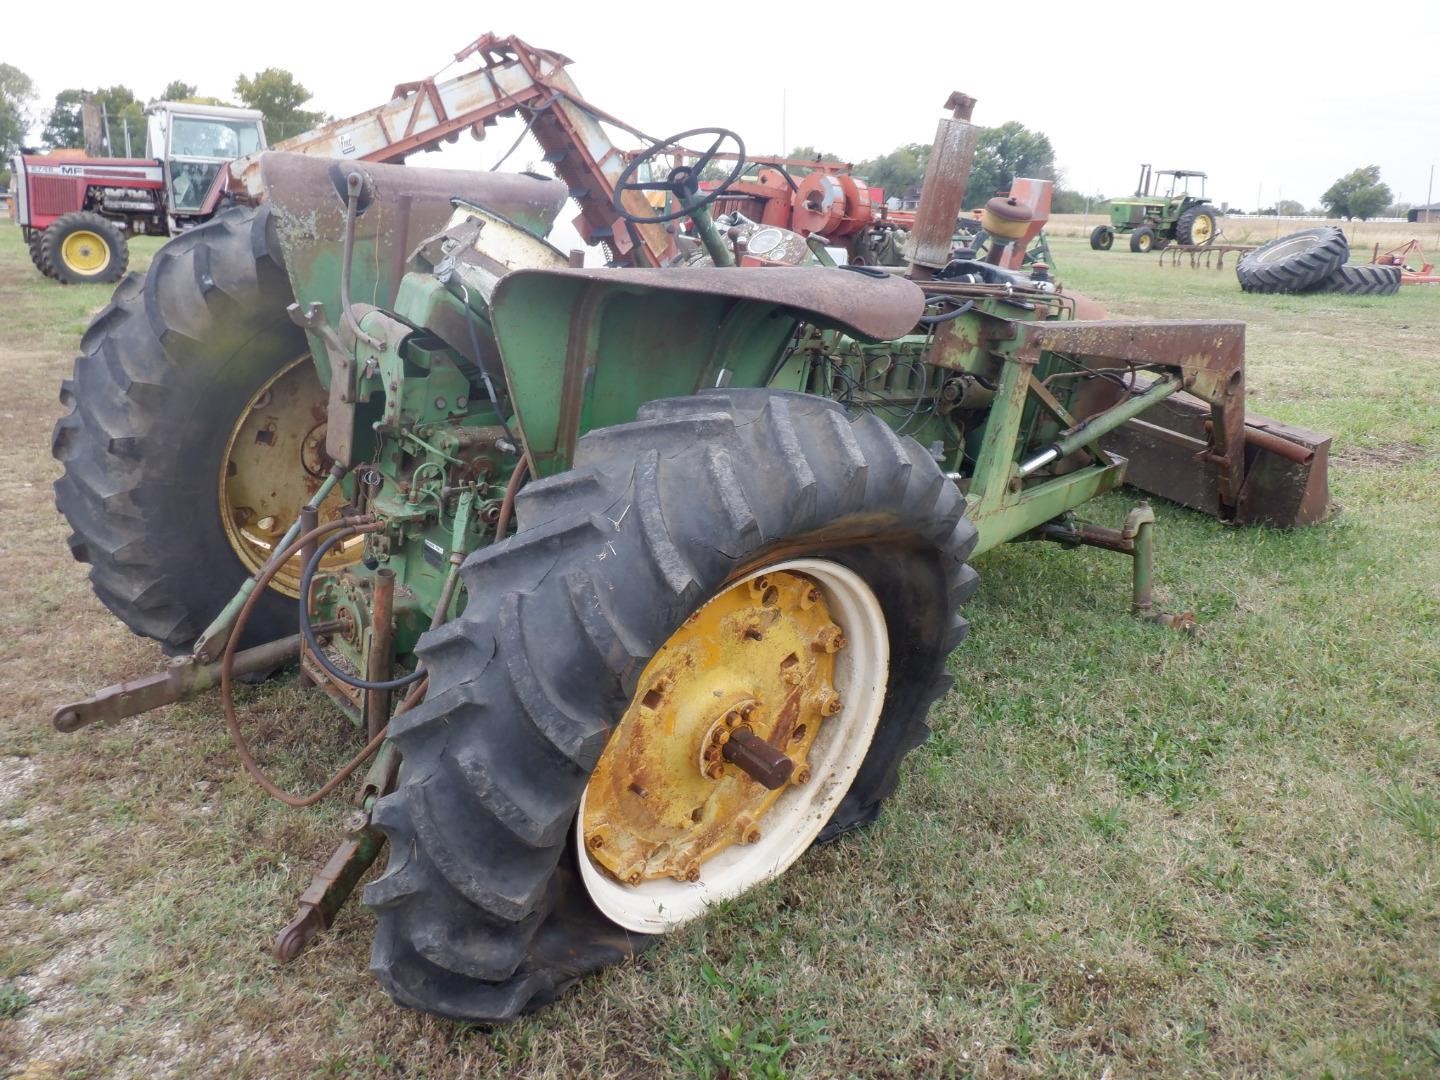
<point x="212" y="141"/>
<point x="207" y="137"/>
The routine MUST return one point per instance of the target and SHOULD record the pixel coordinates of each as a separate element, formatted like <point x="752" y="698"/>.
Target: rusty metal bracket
<point x="330" y="888"/>
<point x="183" y="678"/>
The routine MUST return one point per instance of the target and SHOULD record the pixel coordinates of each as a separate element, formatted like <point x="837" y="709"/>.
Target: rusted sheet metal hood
<point x="407" y="206"/>
<point x="868" y="307"/>
<point x="300" y="187"/>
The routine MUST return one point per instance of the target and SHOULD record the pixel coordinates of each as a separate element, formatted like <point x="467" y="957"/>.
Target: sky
<point x="1272" y="100"/>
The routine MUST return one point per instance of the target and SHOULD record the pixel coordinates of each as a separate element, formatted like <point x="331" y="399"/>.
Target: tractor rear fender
<point x="584" y="348"/>
<point x="406" y="206"/>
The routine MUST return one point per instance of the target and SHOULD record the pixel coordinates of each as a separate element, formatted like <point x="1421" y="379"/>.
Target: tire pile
<point x="1313" y="261"/>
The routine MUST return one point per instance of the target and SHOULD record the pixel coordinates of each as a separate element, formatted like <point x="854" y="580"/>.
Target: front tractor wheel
<point x="84" y="248"/>
<point x="1142" y="240"/>
<point x="1102" y="237"/>
<point x="706" y="647"/>
<point x="195" y="434"/>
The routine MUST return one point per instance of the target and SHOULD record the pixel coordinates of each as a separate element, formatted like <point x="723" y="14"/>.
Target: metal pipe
<point x="1089" y="430"/>
<point x="182" y="680"/>
<point x="382" y="637"/>
<point x="710" y="236"/>
<point x="353" y="184"/>
<point x="213" y="637"/>
<point x="943" y="190"/>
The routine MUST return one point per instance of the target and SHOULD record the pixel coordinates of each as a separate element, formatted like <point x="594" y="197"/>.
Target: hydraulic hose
<point x="343" y="527"/>
<point x="307" y="579"/>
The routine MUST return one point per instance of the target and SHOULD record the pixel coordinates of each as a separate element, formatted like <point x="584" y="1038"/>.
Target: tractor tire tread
<point x="489" y="920"/>
<point x="52" y="264"/>
<point x="1360" y="279"/>
<point x="1300" y="271"/>
<point x="127" y="484"/>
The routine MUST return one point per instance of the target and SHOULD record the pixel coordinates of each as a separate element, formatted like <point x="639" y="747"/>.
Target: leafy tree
<point x="1066" y="201"/>
<point x="1357" y="194"/>
<point x="17" y="92"/>
<point x="1289" y="208"/>
<point x="175" y="90"/>
<point x="64" y="129"/>
<point x="121" y="108"/>
<point x="275" y="93"/>
<point x="1002" y="154"/>
<point x="809" y="153"/>
<point x="898" y="172"/>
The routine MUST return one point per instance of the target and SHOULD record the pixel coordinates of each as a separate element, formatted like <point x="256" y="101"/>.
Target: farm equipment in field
<point x="76" y="213"/>
<point x="634" y="582"/>
<point x="1159" y="214"/>
<point x="1415" y="267"/>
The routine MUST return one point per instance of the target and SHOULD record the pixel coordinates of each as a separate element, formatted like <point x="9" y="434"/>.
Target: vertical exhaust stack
<point x="946" y="175"/>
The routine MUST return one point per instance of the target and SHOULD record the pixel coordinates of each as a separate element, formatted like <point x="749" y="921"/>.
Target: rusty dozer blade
<point x="1285" y="478"/>
<point x="1198" y="447"/>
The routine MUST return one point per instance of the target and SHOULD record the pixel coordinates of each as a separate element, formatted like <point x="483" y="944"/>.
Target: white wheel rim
<point x="790" y="827"/>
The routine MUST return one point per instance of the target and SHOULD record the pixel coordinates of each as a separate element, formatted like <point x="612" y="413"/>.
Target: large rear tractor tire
<point x="1195" y="226"/>
<point x="1294" y="263"/>
<point x="740" y="559"/>
<point x="83" y="248"/>
<point x="1361" y="279"/>
<point x="194" y="434"/>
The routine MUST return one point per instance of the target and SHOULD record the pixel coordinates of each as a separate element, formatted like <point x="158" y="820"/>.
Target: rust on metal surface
<point x="722" y="722"/>
<point x="874" y="308"/>
<point x="943" y="190"/>
<point x="329" y="890"/>
<point x="184" y="678"/>
<point x="758" y="759"/>
<point x="379" y="660"/>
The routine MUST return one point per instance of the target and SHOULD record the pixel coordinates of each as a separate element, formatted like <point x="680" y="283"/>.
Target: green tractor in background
<point x="1155" y="217"/>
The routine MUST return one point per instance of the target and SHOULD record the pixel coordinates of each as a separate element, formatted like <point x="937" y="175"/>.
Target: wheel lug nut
<point x="800" y="775"/>
<point x="829" y="703"/>
<point x="715" y="770"/>
<point x="830" y="639"/>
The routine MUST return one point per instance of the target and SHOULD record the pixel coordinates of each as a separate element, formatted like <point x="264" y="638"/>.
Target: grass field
<point x="1363" y="235"/>
<point x="1125" y="853"/>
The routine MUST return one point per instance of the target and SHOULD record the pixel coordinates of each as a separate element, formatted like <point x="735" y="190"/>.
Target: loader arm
<point x="513" y="78"/>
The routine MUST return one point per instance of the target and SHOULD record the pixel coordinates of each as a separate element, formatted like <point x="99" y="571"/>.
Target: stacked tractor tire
<point x="1313" y="261"/>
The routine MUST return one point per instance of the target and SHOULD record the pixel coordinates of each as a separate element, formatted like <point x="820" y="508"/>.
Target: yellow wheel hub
<point x="1201" y="229"/>
<point x="665" y="796"/>
<point x="85" y="252"/>
<point x="274" y="463"/>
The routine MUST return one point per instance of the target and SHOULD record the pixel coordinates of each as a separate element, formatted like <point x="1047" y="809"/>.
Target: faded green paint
<point x="583" y="354"/>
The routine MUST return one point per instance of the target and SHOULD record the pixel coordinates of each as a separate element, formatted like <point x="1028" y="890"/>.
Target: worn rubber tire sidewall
<point x="1323" y="250"/>
<point x="486" y="920"/>
<point x="168" y="368"/>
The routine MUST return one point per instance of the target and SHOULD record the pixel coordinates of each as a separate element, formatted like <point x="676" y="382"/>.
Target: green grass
<point x="1123" y="851"/>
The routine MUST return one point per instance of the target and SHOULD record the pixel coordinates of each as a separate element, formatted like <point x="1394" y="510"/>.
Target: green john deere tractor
<point x="1160" y="213"/>
<point x="634" y="582"/>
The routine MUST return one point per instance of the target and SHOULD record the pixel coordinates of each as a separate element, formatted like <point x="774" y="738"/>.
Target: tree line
<point x="273" y="91"/>
<point x="1002" y="153"/>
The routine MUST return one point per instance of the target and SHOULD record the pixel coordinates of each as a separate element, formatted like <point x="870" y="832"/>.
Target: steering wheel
<point x="681" y="180"/>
